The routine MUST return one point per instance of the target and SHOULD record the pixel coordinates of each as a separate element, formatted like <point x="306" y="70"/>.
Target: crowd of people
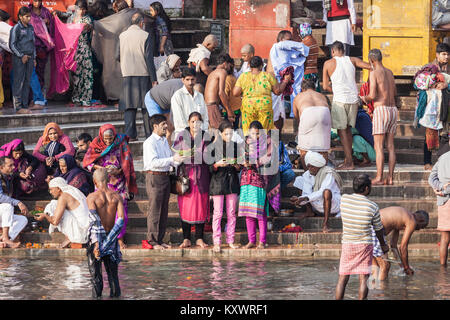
<point x="211" y="133"/>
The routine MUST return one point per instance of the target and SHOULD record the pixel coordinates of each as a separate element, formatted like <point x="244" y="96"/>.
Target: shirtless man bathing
<point x="215" y="92"/>
<point x="382" y="92"/>
<point x="103" y="232"/>
<point x="396" y="219"/>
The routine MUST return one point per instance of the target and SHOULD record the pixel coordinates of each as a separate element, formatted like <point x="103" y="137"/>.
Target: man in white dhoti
<point x="69" y="213"/>
<point x="320" y="189"/>
<point x="11" y="224"/>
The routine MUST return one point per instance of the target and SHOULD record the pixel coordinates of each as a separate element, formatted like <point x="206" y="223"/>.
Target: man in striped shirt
<point x="358" y="214"/>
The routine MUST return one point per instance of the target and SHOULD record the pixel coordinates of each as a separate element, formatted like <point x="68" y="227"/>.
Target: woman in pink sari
<point x="29" y="172"/>
<point x="194" y="205"/>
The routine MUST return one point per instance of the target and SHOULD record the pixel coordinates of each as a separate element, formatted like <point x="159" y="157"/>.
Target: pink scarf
<point x="63" y="57"/>
<point x="40" y="31"/>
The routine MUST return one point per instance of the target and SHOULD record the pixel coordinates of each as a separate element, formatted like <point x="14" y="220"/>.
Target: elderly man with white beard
<point x="320" y="189"/>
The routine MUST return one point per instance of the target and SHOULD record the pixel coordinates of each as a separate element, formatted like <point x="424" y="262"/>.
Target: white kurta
<point x="306" y="184"/>
<point x="14" y="222"/>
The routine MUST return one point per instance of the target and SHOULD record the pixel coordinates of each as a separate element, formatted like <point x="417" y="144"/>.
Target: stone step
<point x="30" y="135"/>
<point x="134" y="236"/>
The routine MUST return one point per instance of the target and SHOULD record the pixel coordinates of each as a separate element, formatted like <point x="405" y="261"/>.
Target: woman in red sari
<point x="111" y="150"/>
<point x="194" y="205"/>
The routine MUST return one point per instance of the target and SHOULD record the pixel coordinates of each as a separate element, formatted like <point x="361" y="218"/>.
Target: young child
<point x="83" y="142"/>
<point x="224" y="184"/>
<point x="23" y="59"/>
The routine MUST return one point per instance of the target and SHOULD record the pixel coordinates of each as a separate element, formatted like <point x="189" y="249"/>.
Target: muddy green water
<point x="163" y="279"/>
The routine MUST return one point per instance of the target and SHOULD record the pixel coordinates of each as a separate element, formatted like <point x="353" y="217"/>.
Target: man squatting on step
<point x="102" y="235"/>
<point x="396" y="219"/>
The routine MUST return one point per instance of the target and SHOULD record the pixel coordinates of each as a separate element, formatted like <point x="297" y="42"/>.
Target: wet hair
<point x="188" y="72"/>
<point x="20" y="147"/>
<point x="225" y="124"/>
<point x="101" y="176"/>
<point x="360" y="182"/>
<point x="4" y="16"/>
<point x="282" y="34"/>
<point x="159" y="9"/>
<point x="256" y="125"/>
<point x="137" y="18"/>
<point x="442" y="47"/>
<point x="3" y="161"/>
<point x="425" y="215"/>
<point x="224" y="58"/>
<point x="23" y="11"/>
<point x="85" y="137"/>
<point x="195" y="114"/>
<point x="375" y="55"/>
<point x="156" y="119"/>
<point x="120" y="5"/>
<point x="338" y="46"/>
<point x="256" y="62"/>
<point x="308" y="84"/>
<point x="82" y="4"/>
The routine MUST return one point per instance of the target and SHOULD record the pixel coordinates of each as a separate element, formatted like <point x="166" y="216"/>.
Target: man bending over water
<point x="103" y="232"/>
<point x="396" y="219"/>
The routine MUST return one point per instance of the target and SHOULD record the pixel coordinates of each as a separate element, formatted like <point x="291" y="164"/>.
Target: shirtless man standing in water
<point x="103" y="232"/>
<point x="215" y="92"/>
<point x="385" y="114"/>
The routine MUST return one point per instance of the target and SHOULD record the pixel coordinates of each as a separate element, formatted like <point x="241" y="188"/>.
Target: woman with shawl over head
<point x="84" y="74"/>
<point x="110" y="150"/>
<point x="194" y="205"/>
<point x="163" y="28"/>
<point x="74" y="176"/>
<point x="30" y="171"/>
<point x="52" y="146"/>
<point x="259" y="186"/>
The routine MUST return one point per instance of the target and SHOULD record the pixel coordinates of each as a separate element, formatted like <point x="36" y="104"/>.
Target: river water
<point x="235" y="279"/>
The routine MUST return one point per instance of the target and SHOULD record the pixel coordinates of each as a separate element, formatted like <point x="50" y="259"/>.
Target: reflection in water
<point x="231" y="279"/>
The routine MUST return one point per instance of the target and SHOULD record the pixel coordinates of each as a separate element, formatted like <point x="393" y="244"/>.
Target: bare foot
<point x="325" y="229"/>
<point x="261" y="245"/>
<point x="64" y="244"/>
<point x="428" y="167"/>
<point x="37" y="107"/>
<point x="249" y="245"/>
<point x="166" y="246"/>
<point x="186" y="244"/>
<point x="2" y="245"/>
<point x="377" y="181"/>
<point x="365" y="163"/>
<point x="201" y="243"/>
<point x="216" y="248"/>
<point x="10" y="244"/>
<point x="345" y="166"/>
<point x="158" y="247"/>
<point x="23" y="111"/>
<point x="122" y="244"/>
<point x="388" y="181"/>
<point x="234" y="246"/>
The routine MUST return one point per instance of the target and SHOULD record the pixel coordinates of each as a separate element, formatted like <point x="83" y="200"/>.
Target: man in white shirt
<point x="187" y="100"/>
<point x="320" y="189"/>
<point x="157" y="162"/>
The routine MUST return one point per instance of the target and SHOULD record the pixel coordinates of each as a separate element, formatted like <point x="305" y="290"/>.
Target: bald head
<point x="247" y="52"/>
<point x="210" y="42"/>
<point x="100" y="176"/>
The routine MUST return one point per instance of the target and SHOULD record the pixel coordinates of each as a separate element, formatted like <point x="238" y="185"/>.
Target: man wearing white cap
<point x="320" y="189"/>
<point x="69" y="212"/>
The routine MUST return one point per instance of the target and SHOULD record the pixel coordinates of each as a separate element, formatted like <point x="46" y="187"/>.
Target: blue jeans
<point x="152" y="106"/>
